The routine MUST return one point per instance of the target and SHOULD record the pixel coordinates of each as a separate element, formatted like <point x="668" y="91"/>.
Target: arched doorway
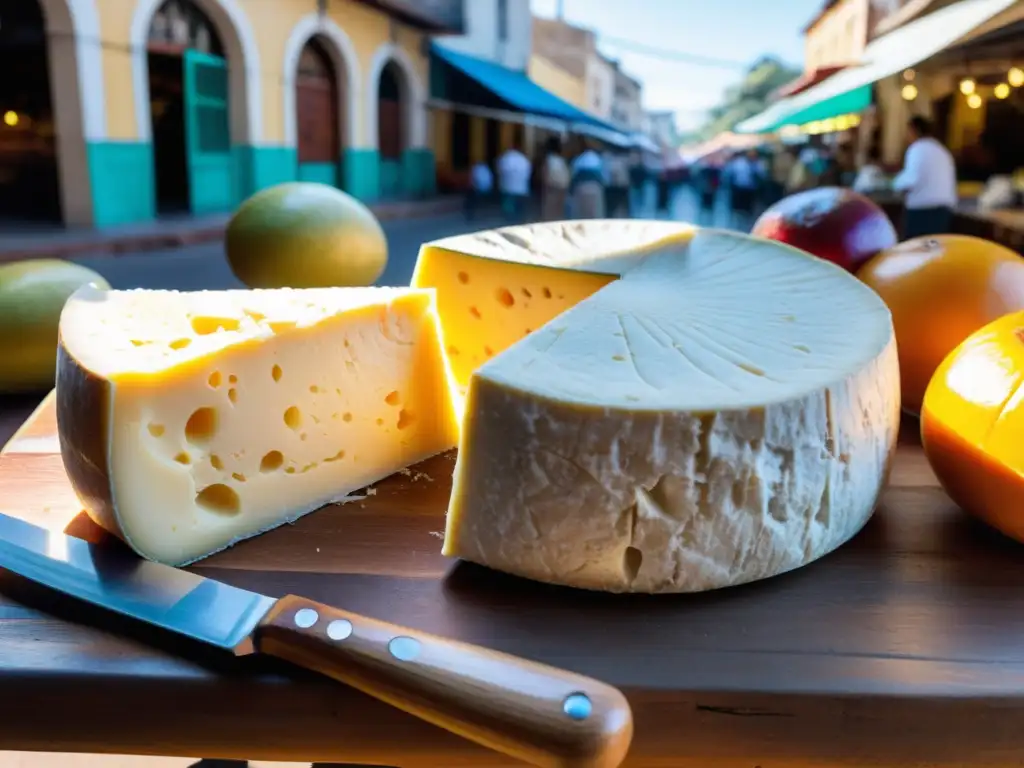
<point x="189" y="111"/>
<point x="29" y="185"/>
<point x="392" y="95"/>
<point x="317" y="105"/>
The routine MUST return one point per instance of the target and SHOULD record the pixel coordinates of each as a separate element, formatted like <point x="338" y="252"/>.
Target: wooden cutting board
<point x="905" y="646"/>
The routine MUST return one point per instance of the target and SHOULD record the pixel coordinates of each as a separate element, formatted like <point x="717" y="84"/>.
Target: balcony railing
<point x="439" y="16"/>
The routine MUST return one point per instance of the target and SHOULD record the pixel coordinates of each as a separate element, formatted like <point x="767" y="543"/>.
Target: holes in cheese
<point x="695" y="409"/>
<point x="293" y="417"/>
<point x="220" y="499"/>
<point x="272" y="460"/>
<point x="207" y="325"/>
<point x="201" y="425"/>
<point x="237" y="414"/>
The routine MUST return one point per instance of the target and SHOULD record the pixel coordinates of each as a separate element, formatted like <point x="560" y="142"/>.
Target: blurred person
<point x="617" y="194"/>
<point x="588" y="177"/>
<point x="706" y="179"/>
<point x="743" y="175"/>
<point x="777" y="178"/>
<point x="870" y="176"/>
<point x="514" y="171"/>
<point x="554" y="181"/>
<point x="481" y="185"/>
<point x="637" y="179"/>
<point x="928" y="180"/>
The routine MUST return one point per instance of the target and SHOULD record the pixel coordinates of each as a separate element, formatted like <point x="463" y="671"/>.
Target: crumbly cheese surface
<point x="725" y="411"/>
<point x="228" y="413"/>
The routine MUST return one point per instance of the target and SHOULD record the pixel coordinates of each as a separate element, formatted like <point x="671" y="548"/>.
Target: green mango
<point x="32" y="295"/>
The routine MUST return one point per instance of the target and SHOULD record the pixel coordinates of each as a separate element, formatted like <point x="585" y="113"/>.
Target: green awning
<point x="895" y="51"/>
<point x="856" y="100"/>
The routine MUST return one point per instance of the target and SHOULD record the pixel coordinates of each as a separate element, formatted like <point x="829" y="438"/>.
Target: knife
<point x="540" y="714"/>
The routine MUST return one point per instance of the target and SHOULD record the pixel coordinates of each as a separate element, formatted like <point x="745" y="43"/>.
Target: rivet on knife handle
<point x="543" y="715"/>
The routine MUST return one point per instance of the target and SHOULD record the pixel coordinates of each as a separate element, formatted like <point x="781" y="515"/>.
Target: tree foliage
<point x="748" y="97"/>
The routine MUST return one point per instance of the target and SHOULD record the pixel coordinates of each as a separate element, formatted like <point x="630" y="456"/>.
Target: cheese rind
<point x="726" y="411"/>
<point x="189" y="422"/>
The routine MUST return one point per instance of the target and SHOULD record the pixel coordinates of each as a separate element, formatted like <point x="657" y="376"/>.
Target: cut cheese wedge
<point x="725" y="411"/>
<point x="190" y="421"/>
<point x="498" y="286"/>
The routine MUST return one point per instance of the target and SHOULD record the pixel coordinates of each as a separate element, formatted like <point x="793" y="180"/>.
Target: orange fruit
<point x="971" y="422"/>
<point x="940" y="290"/>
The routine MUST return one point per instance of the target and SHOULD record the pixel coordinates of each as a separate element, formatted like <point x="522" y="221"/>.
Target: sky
<point x="732" y="30"/>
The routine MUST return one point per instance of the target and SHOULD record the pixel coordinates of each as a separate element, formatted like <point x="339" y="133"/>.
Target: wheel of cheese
<point x="658" y="408"/>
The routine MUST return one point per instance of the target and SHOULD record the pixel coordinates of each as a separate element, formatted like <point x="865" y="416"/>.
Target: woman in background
<point x="554" y="181"/>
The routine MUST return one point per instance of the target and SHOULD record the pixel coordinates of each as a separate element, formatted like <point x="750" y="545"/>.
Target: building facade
<point x="560" y="82"/>
<point x="661" y="126"/>
<point x="497" y="34"/>
<point x="627" y="101"/>
<point x="189" y="106"/>
<point x="496" y="30"/>
<point x="567" y="57"/>
<point x="573" y="50"/>
<point x="837" y="35"/>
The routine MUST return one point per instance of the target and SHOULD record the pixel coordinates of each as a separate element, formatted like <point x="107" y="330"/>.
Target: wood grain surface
<point x="905" y="647"/>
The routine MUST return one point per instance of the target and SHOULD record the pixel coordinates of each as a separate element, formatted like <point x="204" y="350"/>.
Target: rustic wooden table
<point x="904" y="647"/>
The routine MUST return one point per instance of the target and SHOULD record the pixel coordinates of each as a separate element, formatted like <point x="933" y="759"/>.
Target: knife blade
<point x="540" y="714"/>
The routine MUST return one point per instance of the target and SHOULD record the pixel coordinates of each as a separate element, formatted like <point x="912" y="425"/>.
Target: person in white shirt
<point x="514" y="169"/>
<point x="481" y="182"/>
<point x="928" y="179"/>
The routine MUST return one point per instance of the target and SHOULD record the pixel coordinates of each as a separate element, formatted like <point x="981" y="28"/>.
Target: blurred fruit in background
<point x="940" y="290"/>
<point x="835" y="224"/>
<point x="305" y="235"/>
<point x="972" y="420"/>
<point x="32" y="295"/>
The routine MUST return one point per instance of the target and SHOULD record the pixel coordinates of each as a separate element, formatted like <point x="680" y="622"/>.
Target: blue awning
<point x="517" y="90"/>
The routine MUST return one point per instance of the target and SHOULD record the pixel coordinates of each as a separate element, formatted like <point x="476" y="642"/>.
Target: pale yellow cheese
<point x="498" y="286"/>
<point x="189" y="421"/>
<point x="726" y="411"/>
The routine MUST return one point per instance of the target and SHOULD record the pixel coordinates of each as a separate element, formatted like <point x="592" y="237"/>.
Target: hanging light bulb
<point x="1015" y="77"/>
<point x="1001" y="91"/>
<point x="909" y="92"/>
<point x="974" y="101"/>
<point x="967" y="86"/>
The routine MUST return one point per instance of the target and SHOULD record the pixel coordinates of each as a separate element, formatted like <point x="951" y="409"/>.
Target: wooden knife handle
<point x="546" y="716"/>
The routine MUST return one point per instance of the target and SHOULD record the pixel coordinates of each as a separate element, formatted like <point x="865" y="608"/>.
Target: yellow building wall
<point x="556" y="80"/>
<point x="272" y="22"/>
<point x="838" y="37"/>
<point x="119" y="93"/>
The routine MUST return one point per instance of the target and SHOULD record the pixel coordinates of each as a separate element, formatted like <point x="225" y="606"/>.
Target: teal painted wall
<point x="322" y="173"/>
<point x="360" y="174"/>
<point x="122" y="181"/>
<point x="419" y="174"/>
<point x="391" y="178"/>
<point x="257" y="168"/>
